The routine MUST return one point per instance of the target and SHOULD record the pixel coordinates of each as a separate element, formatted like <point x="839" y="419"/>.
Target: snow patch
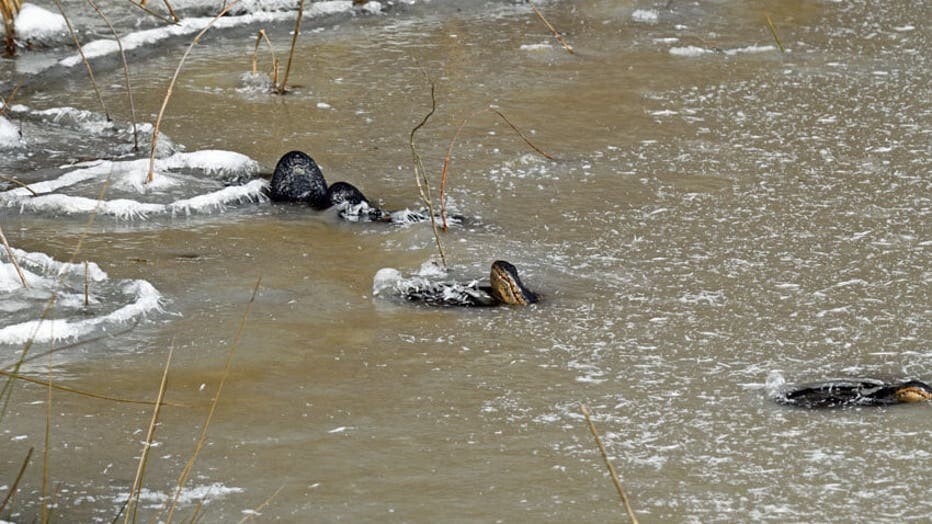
<point x="9" y="134"/>
<point x="35" y="24"/>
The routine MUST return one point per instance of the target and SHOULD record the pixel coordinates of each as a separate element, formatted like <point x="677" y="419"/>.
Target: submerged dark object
<point x="856" y="392"/>
<point x="298" y="179"/>
<point x="505" y="287"/>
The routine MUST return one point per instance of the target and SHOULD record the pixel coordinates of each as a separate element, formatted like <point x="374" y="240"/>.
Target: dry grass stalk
<point x="611" y="468"/>
<point x="197" y="511"/>
<point x="773" y="31"/>
<point x="90" y="72"/>
<point x="141" y="469"/>
<point x="148" y="11"/>
<point x="46" y="446"/>
<point x="255" y="57"/>
<point x="86" y="301"/>
<point x="250" y="516"/>
<point x="9" y="251"/>
<point x="183" y="478"/>
<point x="420" y="176"/>
<point x="447" y="159"/>
<point x="559" y="37"/>
<point x="171" y="85"/>
<point x="171" y="11"/>
<point x="20" y="184"/>
<point x="9" y="99"/>
<point x="129" y="88"/>
<point x="294" y="40"/>
<point x="8" y="11"/>
<point x="6" y="392"/>
<point x="12" y="492"/>
<point x="83" y="393"/>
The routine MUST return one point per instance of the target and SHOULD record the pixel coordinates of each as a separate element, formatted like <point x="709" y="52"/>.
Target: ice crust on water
<point x="205" y="492"/>
<point x="9" y="134"/>
<point x="645" y="16"/>
<point x="35" y="24"/>
<point x="694" y="51"/>
<point x="46" y="277"/>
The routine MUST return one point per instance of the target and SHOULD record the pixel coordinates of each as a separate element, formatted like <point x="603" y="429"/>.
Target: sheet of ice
<point x="543" y="46"/>
<point x="205" y="492"/>
<point x="690" y="51"/>
<point x="46" y="278"/>
<point x="9" y="134"/>
<point x="35" y="24"/>
<point x="645" y="16"/>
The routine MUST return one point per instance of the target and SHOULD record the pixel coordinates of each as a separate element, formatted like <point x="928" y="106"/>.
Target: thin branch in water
<point x="213" y="407"/>
<point x="171" y="11"/>
<point x="89" y="394"/>
<point x="171" y="85"/>
<point x="90" y="72"/>
<point x="197" y="511"/>
<point x="611" y="468"/>
<point x="129" y="88"/>
<point x="9" y="251"/>
<point x="9" y="99"/>
<point x="22" y="469"/>
<point x="294" y="40"/>
<point x="46" y="446"/>
<point x="255" y="57"/>
<point x="252" y="515"/>
<point x="569" y="48"/>
<point x="21" y="184"/>
<point x="86" y="285"/>
<point x="141" y="469"/>
<point x="773" y="31"/>
<point x="152" y="13"/>
<point x="420" y="176"/>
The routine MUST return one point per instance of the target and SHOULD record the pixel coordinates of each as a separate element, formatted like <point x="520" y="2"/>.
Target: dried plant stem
<point x="183" y="478"/>
<point x="559" y="37"/>
<point x="141" y="469"/>
<point x="420" y="176"/>
<point x="294" y="40"/>
<point x="171" y="85"/>
<point x="255" y="57"/>
<point x="773" y="31"/>
<point x="9" y="251"/>
<point x="197" y="511"/>
<point x="152" y="13"/>
<point x="171" y="11"/>
<point x="19" y="476"/>
<point x="611" y="468"/>
<point x="129" y="88"/>
<point x="83" y="393"/>
<point x="8" y="99"/>
<point x="17" y="182"/>
<point x="86" y="301"/>
<point x="447" y="159"/>
<point x="45" y="450"/>
<point x="8" y="11"/>
<point x="90" y="72"/>
<point x="252" y="515"/>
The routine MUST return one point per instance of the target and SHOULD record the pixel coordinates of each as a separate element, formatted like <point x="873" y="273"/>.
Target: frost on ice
<point x="110" y="303"/>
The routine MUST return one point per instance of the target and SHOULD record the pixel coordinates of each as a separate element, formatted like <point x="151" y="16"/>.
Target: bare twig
<point x="294" y="40"/>
<point x="171" y="85"/>
<point x="9" y="99"/>
<point x="171" y="11"/>
<point x="22" y="469"/>
<point x="21" y="184"/>
<point x="420" y="175"/>
<point x="90" y="72"/>
<point x="569" y="48"/>
<point x="83" y="393"/>
<point x="141" y="469"/>
<point x="9" y="251"/>
<point x="256" y="511"/>
<point x="611" y="468"/>
<point x="129" y="88"/>
<point x="773" y="31"/>
<point x="255" y="57"/>
<point x="152" y="13"/>
<point x="46" y="446"/>
<point x="86" y="301"/>
<point x="8" y="11"/>
<point x="213" y="407"/>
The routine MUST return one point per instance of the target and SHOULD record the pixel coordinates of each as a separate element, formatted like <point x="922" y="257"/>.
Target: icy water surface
<point x="720" y="218"/>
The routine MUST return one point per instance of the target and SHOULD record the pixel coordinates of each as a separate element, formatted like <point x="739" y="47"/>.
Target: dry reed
<point x="773" y="31"/>
<point x="294" y="40"/>
<point x="9" y="251"/>
<point x="150" y="12"/>
<point x="171" y="85"/>
<point x="87" y="65"/>
<point x="171" y="11"/>
<point x="20" y="184"/>
<point x="447" y="159"/>
<point x="420" y="176"/>
<point x="559" y="37"/>
<point x="250" y="516"/>
<point x="8" y="99"/>
<point x="129" y="88"/>
<point x="143" y="459"/>
<point x="83" y="393"/>
<point x="8" y="11"/>
<point x="10" y="494"/>
<point x="611" y="468"/>
<point x="183" y="478"/>
<point x="255" y="57"/>
<point x="45" y="444"/>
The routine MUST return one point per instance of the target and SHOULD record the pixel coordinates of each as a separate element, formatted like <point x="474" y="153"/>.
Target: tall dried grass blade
<point x="9" y="252"/>
<point x="8" y="99"/>
<point x="46" y="445"/>
<point x="611" y="468"/>
<point x="252" y="515"/>
<point x="773" y="31"/>
<point x="171" y="11"/>
<point x="559" y="37"/>
<point x="20" y="184"/>
<point x="90" y="72"/>
<point x="19" y="476"/>
<point x="183" y="478"/>
<point x="294" y="40"/>
<point x="420" y="175"/>
<point x="171" y="85"/>
<point x="152" y="13"/>
<point x="143" y="459"/>
<point x="88" y="394"/>
<point x="129" y="88"/>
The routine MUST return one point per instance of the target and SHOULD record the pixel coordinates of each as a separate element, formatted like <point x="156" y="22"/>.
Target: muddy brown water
<point x="712" y="222"/>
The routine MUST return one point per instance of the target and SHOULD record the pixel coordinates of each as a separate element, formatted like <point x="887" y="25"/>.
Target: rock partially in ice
<point x="10" y="136"/>
<point x="36" y="25"/>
